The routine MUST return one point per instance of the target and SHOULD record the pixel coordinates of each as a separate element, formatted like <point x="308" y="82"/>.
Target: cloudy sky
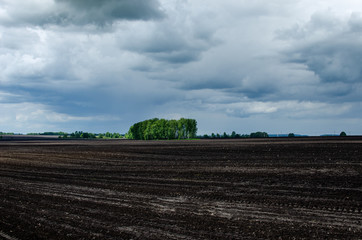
<point x="278" y="66"/>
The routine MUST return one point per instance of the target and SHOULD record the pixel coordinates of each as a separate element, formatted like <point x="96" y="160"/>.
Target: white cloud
<point x="29" y="117"/>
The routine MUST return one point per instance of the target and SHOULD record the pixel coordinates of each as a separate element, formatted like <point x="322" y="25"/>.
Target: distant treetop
<point x="343" y="134"/>
<point x="291" y="135"/>
<point x="259" y="135"/>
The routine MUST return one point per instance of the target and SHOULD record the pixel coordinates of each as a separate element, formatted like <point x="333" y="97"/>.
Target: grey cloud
<point x="165" y="45"/>
<point x="177" y="39"/>
<point x="355" y="23"/>
<point x="251" y="88"/>
<point x="334" y="62"/>
<point x="173" y="48"/>
<point x="251" y="79"/>
<point x="18" y="40"/>
<point x="203" y="84"/>
<point x="177" y="57"/>
<point x="331" y="49"/>
<point x="320" y="24"/>
<point x="257" y="92"/>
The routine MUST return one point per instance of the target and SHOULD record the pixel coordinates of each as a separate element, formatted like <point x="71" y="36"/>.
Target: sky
<point x="277" y="66"/>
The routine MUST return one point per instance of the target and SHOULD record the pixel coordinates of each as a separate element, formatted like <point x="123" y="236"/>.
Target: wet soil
<point x="292" y="188"/>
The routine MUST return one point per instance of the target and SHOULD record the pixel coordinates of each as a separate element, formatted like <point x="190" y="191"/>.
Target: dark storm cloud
<point x="80" y="12"/>
<point x="105" y="11"/>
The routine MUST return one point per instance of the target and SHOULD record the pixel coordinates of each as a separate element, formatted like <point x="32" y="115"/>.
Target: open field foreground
<point x="206" y="189"/>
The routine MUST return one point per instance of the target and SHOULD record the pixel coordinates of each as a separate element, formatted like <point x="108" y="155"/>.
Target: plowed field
<point x="292" y="188"/>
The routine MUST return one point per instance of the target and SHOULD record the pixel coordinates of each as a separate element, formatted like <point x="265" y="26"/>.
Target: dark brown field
<point x="300" y="188"/>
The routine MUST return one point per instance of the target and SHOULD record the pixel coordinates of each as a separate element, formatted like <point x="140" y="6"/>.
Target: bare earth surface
<point x="302" y="188"/>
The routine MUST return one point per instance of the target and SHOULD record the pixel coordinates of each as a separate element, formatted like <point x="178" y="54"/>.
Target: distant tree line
<point x="87" y="135"/>
<point x="155" y="128"/>
<point x="81" y="134"/>
<point x="236" y="135"/>
<point x="254" y="135"/>
<point x="7" y="133"/>
<point x="48" y="133"/>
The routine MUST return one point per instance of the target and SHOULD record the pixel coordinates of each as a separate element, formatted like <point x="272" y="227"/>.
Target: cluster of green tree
<point x="78" y="134"/>
<point x="237" y="135"/>
<point x="9" y="133"/>
<point x="155" y="128"/>
<point x="110" y="135"/>
<point x="81" y="134"/>
<point x="225" y="135"/>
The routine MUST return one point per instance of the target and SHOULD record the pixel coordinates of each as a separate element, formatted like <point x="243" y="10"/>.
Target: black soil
<point x="292" y="188"/>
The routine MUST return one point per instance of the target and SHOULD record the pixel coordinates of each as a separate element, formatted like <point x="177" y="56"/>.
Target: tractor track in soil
<point x="282" y="188"/>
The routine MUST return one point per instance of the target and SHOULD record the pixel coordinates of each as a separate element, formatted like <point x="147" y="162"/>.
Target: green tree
<point x="181" y="128"/>
<point x="162" y="126"/>
<point x="233" y="134"/>
<point x="172" y="130"/>
<point x="291" y="135"/>
<point x="192" y="128"/>
<point x="84" y="135"/>
<point x="76" y="134"/>
<point x="343" y="134"/>
<point x="116" y="135"/>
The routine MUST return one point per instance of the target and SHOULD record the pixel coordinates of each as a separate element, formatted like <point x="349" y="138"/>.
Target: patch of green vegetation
<point x="162" y="129"/>
<point x="9" y="133"/>
<point x="109" y="135"/>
